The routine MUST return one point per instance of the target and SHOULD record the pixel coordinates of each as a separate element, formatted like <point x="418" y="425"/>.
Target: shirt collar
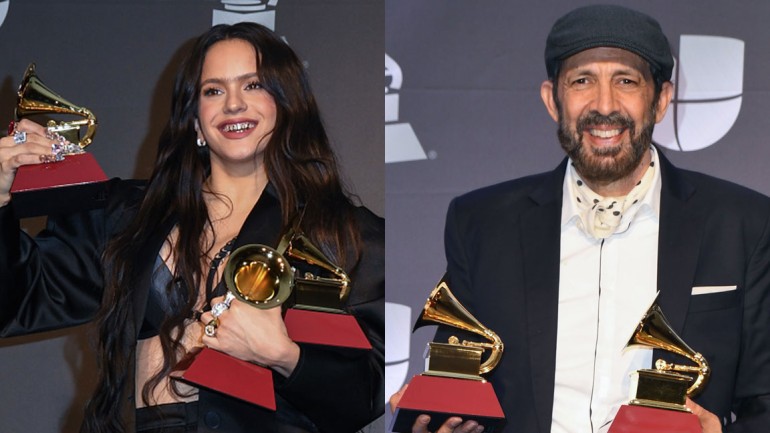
<point x="650" y="205"/>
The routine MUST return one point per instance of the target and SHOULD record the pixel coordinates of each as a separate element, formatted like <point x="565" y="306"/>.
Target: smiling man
<point x="562" y="265"/>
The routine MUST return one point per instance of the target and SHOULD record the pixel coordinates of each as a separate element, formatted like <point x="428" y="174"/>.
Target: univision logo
<point x="255" y="11"/>
<point x="4" y="10"/>
<point x="709" y="92"/>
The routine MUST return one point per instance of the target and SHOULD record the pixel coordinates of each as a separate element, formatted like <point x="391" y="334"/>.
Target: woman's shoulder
<point x="123" y="197"/>
<point x="368" y="221"/>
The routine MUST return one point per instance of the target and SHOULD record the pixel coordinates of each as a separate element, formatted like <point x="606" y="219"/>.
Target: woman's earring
<point x="200" y="142"/>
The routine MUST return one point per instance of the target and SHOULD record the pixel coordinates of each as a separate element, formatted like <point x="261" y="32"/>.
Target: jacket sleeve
<point x="751" y="404"/>
<point x="343" y="390"/>
<point x="53" y="280"/>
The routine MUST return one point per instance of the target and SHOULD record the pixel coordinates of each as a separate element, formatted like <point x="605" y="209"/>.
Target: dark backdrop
<point x="466" y="76"/>
<point x="118" y="58"/>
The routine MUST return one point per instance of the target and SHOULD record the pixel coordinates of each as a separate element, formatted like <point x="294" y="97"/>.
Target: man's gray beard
<point x="606" y="171"/>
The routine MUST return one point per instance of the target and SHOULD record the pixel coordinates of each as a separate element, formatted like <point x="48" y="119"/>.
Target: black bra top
<point x="157" y="300"/>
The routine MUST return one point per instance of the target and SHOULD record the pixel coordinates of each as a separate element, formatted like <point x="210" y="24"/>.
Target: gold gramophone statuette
<point x="34" y="97"/>
<point x="663" y="387"/>
<point x="263" y="277"/>
<point x="458" y="359"/>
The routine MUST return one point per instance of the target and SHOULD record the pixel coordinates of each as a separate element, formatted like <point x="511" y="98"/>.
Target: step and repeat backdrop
<point x="463" y="110"/>
<point x="118" y="58"/>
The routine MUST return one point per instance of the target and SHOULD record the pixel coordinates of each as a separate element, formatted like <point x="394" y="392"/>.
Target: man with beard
<point x="562" y="265"/>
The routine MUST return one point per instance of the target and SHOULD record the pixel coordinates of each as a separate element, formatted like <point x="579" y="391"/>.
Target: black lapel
<point x="541" y="236"/>
<point x="679" y="242"/>
<point x="264" y="223"/>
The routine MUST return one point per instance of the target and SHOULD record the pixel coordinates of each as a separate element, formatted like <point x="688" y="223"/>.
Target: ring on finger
<point x="220" y="307"/>
<point x="211" y="328"/>
<point x="19" y="137"/>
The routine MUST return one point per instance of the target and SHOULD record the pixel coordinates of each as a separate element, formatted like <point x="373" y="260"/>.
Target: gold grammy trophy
<point x="657" y="396"/>
<point x="263" y="277"/>
<point x="452" y="384"/>
<point x="75" y="182"/>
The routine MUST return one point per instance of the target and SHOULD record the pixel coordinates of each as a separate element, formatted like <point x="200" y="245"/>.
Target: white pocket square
<point x="703" y="290"/>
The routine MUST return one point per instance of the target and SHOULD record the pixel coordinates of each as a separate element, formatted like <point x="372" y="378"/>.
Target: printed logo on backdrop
<point x="401" y="143"/>
<point x="255" y="11"/>
<point x="708" y="81"/>
<point x="398" y="319"/>
<point x="4" y="10"/>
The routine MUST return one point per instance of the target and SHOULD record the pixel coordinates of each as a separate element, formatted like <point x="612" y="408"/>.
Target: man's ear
<point x="546" y="92"/>
<point x="664" y="99"/>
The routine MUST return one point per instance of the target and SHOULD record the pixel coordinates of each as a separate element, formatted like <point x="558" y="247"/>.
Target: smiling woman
<point x="244" y="153"/>
<point x="236" y="113"/>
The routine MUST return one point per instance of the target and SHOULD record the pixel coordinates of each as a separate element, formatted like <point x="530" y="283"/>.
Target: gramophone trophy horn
<point x="452" y="383"/>
<point x="658" y="395"/>
<point x="72" y="180"/>
<point x="259" y="275"/>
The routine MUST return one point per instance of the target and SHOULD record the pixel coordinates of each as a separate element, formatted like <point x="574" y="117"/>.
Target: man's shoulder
<point x="720" y="190"/>
<point x="511" y="192"/>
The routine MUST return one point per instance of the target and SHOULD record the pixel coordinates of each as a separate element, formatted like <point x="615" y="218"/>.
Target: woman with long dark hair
<point x="243" y="154"/>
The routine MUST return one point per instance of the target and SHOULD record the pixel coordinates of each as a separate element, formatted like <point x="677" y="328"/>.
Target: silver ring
<point x="19" y="137"/>
<point x="219" y="308"/>
<point x="211" y="328"/>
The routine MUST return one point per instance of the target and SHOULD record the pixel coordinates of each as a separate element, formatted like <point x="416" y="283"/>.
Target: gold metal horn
<point x="655" y="332"/>
<point x="259" y="275"/>
<point x="34" y="97"/>
<point x="301" y="248"/>
<point x="443" y="308"/>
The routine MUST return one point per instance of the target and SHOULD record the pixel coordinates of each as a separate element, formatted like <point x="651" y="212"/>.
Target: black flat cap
<point x="609" y="26"/>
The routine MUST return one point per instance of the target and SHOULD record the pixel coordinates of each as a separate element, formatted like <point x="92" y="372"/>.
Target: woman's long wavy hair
<point x="300" y="165"/>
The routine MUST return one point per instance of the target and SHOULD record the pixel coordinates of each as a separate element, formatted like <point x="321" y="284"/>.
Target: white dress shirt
<point x="605" y="287"/>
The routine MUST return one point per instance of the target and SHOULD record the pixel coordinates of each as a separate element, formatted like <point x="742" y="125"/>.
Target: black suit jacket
<point x="56" y="280"/>
<point x="502" y="245"/>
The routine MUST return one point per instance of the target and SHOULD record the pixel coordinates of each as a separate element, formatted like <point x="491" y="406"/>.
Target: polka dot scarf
<point x="601" y="216"/>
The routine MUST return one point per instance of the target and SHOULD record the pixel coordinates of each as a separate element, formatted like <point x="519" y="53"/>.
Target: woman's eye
<point x="211" y="91"/>
<point x="254" y="85"/>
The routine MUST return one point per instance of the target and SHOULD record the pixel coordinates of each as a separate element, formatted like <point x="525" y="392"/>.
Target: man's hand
<point x="452" y="425"/>
<point x="708" y="421"/>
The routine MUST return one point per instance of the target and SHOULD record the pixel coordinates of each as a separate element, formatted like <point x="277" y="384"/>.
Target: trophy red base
<point x="444" y="397"/>
<point x="254" y="384"/>
<point x="640" y="419"/>
<point x="327" y="329"/>
<point x="77" y="183"/>
<point x="240" y="379"/>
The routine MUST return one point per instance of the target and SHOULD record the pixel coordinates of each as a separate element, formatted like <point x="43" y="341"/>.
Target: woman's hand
<point x="33" y="148"/>
<point x="253" y="335"/>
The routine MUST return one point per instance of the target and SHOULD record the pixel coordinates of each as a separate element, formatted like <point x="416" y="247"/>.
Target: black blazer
<point x="56" y="280"/>
<point x="502" y="246"/>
